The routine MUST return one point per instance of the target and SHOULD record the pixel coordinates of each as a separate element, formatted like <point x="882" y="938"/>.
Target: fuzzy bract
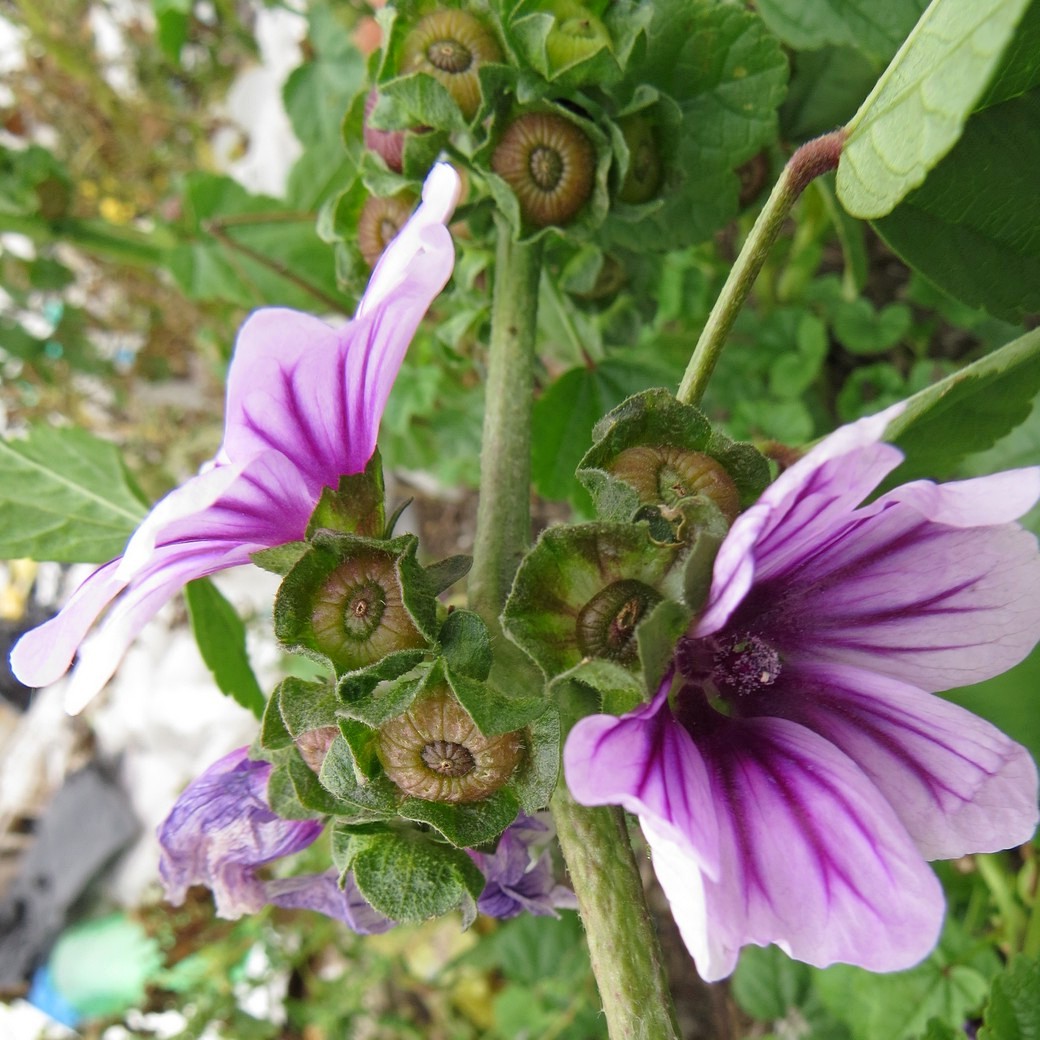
<point x="795" y="770"/>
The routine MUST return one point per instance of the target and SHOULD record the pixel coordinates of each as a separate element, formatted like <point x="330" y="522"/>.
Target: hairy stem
<point x="808" y="162"/>
<point x="504" y="510"/>
<point x="625" y="953"/>
<point x="623" y="946"/>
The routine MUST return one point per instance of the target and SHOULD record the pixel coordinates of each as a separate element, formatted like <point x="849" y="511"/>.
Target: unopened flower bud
<point x="606" y="625"/>
<point x="645" y="169"/>
<point x="387" y="144"/>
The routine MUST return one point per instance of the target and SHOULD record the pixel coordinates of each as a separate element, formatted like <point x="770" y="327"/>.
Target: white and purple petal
<point x="958" y="784"/>
<point x="304" y="406"/>
<point x="647" y="763"/>
<point x="935" y="605"/>
<point x="807" y="506"/>
<point x="813" y="859"/>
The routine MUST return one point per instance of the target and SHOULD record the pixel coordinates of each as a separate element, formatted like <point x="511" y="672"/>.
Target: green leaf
<point x="968" y="411"/>
<point x="306" y="706"/>
<point x="1013" y="1012"/>
<point x="444" y="573"/>
<point x="768" y="984"/>
<point x="340" y="777"/>
<point x="917" y="110"/>
<point x="317" y="93"/>
<point x="727" y="74"/>
<point x="221" y="636"/>
<point x="65" y="495"/>
<point x="466" y="644"/>
<point x="950" y="985"/>
<point x="874" y="27"/>
<point x="535" y="778"/>
<point x="973" y="227"/>
<point x="826" y="88"/>
<point x="386" y="689"/>
<point x="939" y="1030"/>
<point x="409" y="878"/>
<point x="245" y="249"/>
<point x="863" y="330"/>
<point x="493" y="710"/>
<point x="474" y="823"/>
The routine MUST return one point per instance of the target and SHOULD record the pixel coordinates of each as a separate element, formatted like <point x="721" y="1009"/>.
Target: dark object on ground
<point x="86" y="824"/>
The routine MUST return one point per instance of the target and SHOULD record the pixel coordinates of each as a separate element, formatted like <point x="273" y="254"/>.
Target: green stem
<point x="807" y="163"/>
<point x="504" y="509"/>
<point x="623" y="946"/>
<point x="626" y="956"/>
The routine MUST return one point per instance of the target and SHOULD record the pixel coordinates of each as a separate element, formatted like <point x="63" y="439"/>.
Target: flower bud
<point x="576" y="35"/>
<point x="314" y="744"/>
<point x="550" y="165"/>
<point x="434" y="751"/>
<point x="450" y="46"/>
<point x="387" y="144"/>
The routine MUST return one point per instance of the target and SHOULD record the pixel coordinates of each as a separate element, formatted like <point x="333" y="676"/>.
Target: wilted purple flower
<point x="222" y="830"/>
<point x="304" y="402"/>
<point x="795" y="771"/>
<point x="517" y="880"/>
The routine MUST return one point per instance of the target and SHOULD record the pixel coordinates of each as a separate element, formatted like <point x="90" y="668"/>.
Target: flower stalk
<point x="623" y="946"/>
<point x="625" y="953"/>
<point x="504" y="513"/>
<point x="814" y="158"/>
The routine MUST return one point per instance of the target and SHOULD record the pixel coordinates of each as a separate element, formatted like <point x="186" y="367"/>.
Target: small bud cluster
<point x="602" y="604"/>
<point x="404" y="742"/>
<point x="522" y="99"/>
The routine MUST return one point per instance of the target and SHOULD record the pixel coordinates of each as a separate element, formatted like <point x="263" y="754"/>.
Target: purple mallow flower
<point x="795" y="770"/>
<point x="222" y="830"/>
<point x="519" y="879"/>
<point x="304" y="402"/>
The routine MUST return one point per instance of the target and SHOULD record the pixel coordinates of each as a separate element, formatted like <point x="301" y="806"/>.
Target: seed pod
<point x="549" y="163"/>
<point x="434" y="751"/>
<point x="387" y="144"/>
<point x="662" y="473"/>
<point x="606" y="625"/>
<point x="451" y="45"/>
<point x="645" y="171"/>
<point x="379" y="222"/>
<point x="358" y="614"/>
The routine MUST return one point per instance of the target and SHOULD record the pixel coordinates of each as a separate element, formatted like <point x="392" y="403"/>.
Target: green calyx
<point x="582" y="592"/>
<point x="654" y="451"/>
<point x="352" y="601"/>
